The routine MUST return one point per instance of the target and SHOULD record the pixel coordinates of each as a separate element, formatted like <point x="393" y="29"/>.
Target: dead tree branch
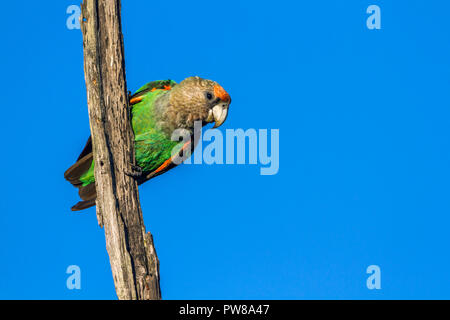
<point x="134" y="263"/>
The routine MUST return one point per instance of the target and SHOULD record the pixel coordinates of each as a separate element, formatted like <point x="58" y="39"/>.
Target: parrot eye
<point x="209" y="95"/>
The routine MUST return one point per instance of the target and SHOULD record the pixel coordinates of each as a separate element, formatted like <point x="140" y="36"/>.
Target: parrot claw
<point x="136" y="171"/>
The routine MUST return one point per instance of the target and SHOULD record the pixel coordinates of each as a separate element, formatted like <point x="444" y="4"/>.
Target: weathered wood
<point x="134" y="263"/>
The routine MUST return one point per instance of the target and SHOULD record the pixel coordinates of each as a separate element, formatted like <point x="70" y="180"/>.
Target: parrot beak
<point x="220" y="110"/>
<point x="220" y="113"/>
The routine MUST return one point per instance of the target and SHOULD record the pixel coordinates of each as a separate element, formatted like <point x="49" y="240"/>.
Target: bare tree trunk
<point x="134" y="263"/>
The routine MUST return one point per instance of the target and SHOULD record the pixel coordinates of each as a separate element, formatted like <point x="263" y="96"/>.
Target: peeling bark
<point x="134" y="263"/>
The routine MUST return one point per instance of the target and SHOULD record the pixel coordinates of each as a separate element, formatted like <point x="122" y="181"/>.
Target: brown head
<point x="197" y="99"/>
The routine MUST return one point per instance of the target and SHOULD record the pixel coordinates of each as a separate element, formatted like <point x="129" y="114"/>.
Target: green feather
<point x="152" y="147"/>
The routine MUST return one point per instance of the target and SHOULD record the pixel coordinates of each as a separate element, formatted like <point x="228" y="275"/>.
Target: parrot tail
<point x="74" y="173"/>
<point x="83" y="205"/>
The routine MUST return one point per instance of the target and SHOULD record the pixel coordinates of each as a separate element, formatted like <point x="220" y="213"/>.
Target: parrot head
<point x="198" y="99"/>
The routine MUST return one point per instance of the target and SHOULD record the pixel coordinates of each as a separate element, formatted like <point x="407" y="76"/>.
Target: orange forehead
<point x="221" y="93"/>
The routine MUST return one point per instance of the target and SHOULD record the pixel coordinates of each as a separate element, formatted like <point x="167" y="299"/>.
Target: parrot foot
<point x="136" y="171"/>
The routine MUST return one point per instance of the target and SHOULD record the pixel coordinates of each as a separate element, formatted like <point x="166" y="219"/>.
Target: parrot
<point x="157" y="110"/>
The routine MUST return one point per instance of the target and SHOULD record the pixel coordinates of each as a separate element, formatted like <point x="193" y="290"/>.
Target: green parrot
<point x="158" y="109"/>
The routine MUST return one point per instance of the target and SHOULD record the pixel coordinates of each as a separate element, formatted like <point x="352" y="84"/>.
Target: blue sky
<point x="364" y="173"/>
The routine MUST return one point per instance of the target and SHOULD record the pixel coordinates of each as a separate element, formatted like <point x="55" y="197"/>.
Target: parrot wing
<point x="88" y="193"/>
<point x="170" y="163"/>
<point x="151" y="87"/>
<point x="73" y="174"/>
